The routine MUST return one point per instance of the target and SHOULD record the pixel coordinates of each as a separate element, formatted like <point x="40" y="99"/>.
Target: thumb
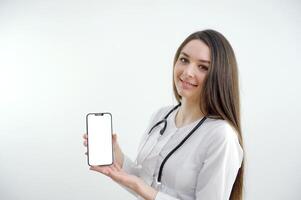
<point x="114" y="137"/>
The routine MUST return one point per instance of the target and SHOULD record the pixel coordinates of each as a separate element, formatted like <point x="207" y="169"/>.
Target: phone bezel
<point x="101" y="113"/>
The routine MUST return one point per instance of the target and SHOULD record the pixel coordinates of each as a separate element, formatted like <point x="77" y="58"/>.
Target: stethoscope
<point x="164" y="120"/>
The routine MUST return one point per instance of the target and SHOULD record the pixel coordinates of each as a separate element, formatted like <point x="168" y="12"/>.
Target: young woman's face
<point x="191" y="68"/>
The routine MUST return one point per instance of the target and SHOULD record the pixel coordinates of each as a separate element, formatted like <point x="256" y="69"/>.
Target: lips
<point x="188" y="83"/>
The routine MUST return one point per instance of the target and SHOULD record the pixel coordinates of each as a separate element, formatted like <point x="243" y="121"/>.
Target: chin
<point x="188" y="94"/>
<point x="184" y="94"/>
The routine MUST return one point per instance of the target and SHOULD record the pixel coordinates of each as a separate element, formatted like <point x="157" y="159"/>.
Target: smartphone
<point x="100" y="144"/>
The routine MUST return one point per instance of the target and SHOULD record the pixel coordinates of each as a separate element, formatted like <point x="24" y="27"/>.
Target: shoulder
<point x="220" y="129"/>
<point x="222" y="138"/>
<point x="221" y="133"/>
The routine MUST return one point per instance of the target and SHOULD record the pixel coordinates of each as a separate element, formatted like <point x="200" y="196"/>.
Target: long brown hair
<point x="220" y="90"/>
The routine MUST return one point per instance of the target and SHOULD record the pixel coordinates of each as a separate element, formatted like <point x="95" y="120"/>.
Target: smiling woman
<point x="191" y="68"/>
<point x="193" y="150"/>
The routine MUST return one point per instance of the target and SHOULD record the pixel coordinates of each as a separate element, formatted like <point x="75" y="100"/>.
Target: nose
<point x="189" y="70"/>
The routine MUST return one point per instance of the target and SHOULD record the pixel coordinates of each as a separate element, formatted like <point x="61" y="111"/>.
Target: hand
<point x="118" y="155"/>
<point x="133" y="182"/>
<point x="115" y="172"/>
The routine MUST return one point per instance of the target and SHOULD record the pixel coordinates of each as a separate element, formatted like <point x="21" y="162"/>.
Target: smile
<point x="185" y="83"/>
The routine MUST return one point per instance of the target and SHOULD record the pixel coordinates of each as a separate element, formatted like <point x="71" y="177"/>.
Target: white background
<point x="60" y="60"/>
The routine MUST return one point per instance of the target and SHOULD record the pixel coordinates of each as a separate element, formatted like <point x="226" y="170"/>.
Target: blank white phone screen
<point x="99" y="129"/>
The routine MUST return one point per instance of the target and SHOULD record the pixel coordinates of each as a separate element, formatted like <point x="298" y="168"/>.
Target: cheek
<point x="178" y="70"/>
<point x="201" y="78"/>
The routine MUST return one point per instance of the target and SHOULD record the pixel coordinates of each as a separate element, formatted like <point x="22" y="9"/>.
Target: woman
<point x="195" y="149"/>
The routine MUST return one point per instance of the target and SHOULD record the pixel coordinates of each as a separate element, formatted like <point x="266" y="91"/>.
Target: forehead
<point x="197" y="49"/>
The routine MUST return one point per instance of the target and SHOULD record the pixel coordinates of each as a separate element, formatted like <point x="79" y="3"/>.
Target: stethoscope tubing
<point x="176" y="148"/>
<point x="164" y="120"/>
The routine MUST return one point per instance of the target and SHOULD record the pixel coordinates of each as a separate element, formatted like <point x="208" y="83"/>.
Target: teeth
<point x="188" y="83"/>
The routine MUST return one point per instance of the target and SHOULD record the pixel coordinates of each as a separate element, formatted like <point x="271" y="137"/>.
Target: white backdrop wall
<point x="62" y="59"/>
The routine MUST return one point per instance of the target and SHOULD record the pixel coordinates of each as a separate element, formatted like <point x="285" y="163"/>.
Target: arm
<point x="128" y="169"/>
<point x="130" y="182"/>
<point x="127" y="164"/>
<point x="215" y="179"/>
<point x="125" y="172"/>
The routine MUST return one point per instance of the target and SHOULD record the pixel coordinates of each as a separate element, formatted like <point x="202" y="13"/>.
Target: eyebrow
<point x="205" y="61"/>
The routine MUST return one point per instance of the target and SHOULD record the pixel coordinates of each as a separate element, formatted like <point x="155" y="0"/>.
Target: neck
<point x="189" y="112"/>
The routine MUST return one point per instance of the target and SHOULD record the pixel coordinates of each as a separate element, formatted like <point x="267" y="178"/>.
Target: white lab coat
<point x="203" y="168"/>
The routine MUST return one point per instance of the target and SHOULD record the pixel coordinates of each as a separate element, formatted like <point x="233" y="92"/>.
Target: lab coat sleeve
<point x="131" y="168"/>
<point x="219" y="170"/>
<point x="128" y="165"/>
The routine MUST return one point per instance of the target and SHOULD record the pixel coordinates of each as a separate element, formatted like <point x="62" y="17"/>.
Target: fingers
<point x="104" y="170"/>
<point x="111" y="168"/>
<point x="85" y="137"/>
<point x="85" y="143"/>
<point x="118" y="167"/>
<point x="114" y="168"/>
<point x="114" y="137"/>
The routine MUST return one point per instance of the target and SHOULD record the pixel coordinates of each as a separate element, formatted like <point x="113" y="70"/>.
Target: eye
<point x="203" y="67"/>
<point x="183" y="60"/>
